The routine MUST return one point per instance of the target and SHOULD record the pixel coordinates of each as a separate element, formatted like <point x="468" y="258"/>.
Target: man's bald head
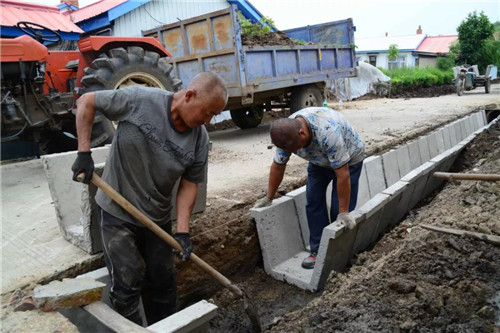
<point x="285" y="132"/>
<point x="208" y="84"/>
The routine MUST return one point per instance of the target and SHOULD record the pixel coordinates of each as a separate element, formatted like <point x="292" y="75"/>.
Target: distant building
<point x="433" y="47"/>
<point x="417" y="50"/>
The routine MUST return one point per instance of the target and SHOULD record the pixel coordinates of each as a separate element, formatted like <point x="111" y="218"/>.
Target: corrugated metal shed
<point x="94" y="9"/>
<point x="381" y="44"/>
<point x="49" y="16"/>
<point x="437" y="44"/>
<point x="160" y="12"/>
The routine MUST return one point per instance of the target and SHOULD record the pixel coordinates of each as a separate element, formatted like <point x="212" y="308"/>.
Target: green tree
<point x="475" y="41"/>
<point x="392" y="54"/>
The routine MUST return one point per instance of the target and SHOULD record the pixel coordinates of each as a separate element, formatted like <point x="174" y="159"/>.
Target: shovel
<point x="125" y="204"/>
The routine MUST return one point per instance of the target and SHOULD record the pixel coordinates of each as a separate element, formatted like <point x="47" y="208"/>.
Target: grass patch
<point x="411" y="79"/>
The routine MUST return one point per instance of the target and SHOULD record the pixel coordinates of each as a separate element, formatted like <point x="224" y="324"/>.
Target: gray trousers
<point x="140" y="264"/>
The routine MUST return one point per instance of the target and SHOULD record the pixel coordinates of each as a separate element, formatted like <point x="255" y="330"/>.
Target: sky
<point x="372" y="18"/>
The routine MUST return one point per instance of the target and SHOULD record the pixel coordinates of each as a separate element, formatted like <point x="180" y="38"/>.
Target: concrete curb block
<point x="415" y="164"/>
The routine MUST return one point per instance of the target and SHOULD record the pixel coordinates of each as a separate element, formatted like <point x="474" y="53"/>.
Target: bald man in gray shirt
<point x="160" y="138"/>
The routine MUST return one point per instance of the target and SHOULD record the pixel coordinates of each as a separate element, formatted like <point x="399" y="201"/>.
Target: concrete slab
<point x="453" y="135"/>
<point x="368" y="226"/>
<point x="391" y="167"/>
<point x="423" y="147"/>
<point x="374" y="174"/>
<point x="414" y="152"/>
<point x="75" y="224"/>
<point x="403" y="160"/>
<point x="447" y="137"/>
<point x="291" y="271"/>
<point x="433" y="146"/>
<point x="393" y="210"/>
<point x="440" y="141"/>
<point x="463" y="129"/>
<point x="334" y="252"/>
<point x="300" y="200"/>
<point x="278" y="230"/>
<point x="363" y="190"/>
<point x="419" y="176"/>
<point x="194" y="318"/>
<point x="468" y="124"/>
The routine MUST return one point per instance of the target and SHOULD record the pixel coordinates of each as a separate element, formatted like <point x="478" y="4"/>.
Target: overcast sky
<point x="371" y="17"/>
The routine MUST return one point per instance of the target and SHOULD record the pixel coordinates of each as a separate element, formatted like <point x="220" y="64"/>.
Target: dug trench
<point x="412" y="280"/>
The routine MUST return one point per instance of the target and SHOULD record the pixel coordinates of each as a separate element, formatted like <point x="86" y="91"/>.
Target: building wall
<point x="160" y="12"/>
<point x="427" y="61"/>
<point x="383" y="60"/>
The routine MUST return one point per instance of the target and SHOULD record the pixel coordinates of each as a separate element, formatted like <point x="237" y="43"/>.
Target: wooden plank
<point x="492" y="239"/>
<point x="112" y="319"/>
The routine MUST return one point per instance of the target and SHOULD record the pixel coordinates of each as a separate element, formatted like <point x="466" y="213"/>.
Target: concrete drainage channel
<point x="391" y="185"/>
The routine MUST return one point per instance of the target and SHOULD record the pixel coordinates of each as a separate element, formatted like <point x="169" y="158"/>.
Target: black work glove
<point x="83" y="163"/>
<point x="185" y="241"/>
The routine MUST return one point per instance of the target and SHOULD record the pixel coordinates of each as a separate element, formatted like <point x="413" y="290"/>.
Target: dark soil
<point x="272" y="38"/>
<point x="413" y="280"/>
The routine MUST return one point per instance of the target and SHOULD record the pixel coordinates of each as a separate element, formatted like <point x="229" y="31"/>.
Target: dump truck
<point x="258" y="77"/>
<point x="40" y="87"/>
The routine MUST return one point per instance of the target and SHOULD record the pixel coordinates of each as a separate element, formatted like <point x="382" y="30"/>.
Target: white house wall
<point x="160" y="12"/>
<point x="383" y="60"/>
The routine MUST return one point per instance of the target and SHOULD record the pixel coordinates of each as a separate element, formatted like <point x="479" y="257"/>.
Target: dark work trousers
<point x="139" y="264"/>
<point x="318" y="179"/>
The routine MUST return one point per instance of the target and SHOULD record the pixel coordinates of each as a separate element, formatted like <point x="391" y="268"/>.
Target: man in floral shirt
<point x="335" y="153"/>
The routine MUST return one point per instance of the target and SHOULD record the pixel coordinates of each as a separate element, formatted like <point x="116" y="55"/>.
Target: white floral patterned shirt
<point x="333" y="140"/>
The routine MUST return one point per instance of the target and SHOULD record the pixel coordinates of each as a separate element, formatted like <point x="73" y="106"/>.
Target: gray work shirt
<point x="148" y="155"/>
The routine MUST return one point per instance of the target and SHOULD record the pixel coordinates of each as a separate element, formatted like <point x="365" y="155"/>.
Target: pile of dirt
<point x="413" y="280"/>
<point x="272" y="38"/>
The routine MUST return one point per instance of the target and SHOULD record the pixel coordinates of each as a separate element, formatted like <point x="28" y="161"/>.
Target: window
<point x="398" y="63"/>
<point x="373" y="60"/>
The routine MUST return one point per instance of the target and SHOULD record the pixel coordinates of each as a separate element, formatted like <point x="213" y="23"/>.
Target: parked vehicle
<point x="257" y="77"/>
<point x="467" y="78"/>
<point x="39" y="87"/>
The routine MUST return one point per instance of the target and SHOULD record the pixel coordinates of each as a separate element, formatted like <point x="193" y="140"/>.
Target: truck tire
<point x="304" y="97"/>
<point x="248" y="117"/>
<point x="121" y="68"/>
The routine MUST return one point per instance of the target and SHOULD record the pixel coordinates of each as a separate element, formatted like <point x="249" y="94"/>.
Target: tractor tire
<point x="487" y="86"/>
<point x="248" y="117"/>
<point x="305" y="97"/>
<point x="121" y="68"/>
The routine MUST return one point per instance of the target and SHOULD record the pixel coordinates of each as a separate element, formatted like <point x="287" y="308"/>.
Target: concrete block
<point x="440" y="141"/>
<point x="66" y="194"/>
<point x="423" y="147"/>
<point x="453" y="135"/>
<point x="403" y="160"/>
<point x="278" y="230"/>
<point x="291" y="272"/>
<point x="393" y="211"/>
<point x="194" y="318"/>
<point x="368" y="226"/>
<point x="68" y="293"/>
<point x="391" y="168"/>
<point x="447" y="137"/>
<point x="363" y="190"/>
<point x="334" y="253"/>
<point x="484" y="120"/>
<point x="477" y="120"/>
<point x="442" y="162"/>
<point x="433" y="146"/>
<point x="300" y="200"/>
<point x="463" y="129"/>
<point x="468" y="125"/>
<point x="419" y="177"/>
<point x="374" y="174"/>
<point x="414" y="152"/>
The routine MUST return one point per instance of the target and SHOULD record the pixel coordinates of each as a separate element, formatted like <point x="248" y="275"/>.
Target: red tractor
<point x="40" y="87"/>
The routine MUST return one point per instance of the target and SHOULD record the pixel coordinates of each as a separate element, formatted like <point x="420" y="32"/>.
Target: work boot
<point x="309" y="262"/>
